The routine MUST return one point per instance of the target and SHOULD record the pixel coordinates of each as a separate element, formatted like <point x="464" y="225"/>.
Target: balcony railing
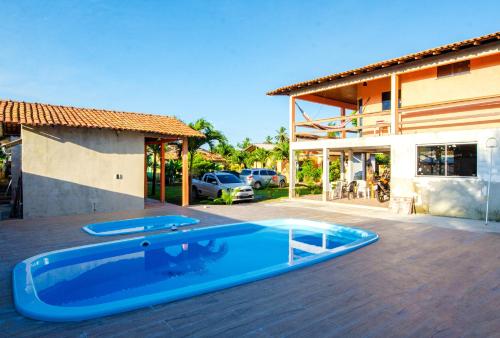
<point x="350" y="124"/>
<point x="410" y="119"/>
<point x="458" y="113"/>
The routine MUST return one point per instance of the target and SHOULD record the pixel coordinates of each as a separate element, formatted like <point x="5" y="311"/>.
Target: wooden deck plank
<point x="418" y="280"/>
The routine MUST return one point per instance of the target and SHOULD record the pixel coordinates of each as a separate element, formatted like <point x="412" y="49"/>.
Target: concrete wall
<point x="448" y="196"/>
<point x="73" y="171"/>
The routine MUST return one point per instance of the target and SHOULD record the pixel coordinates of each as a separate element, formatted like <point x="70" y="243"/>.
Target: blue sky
<point x="211" y="59"/>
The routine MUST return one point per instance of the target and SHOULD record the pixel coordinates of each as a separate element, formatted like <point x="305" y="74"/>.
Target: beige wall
<point x="372" y="99"/>
<point x="73" y="171"/>
<point x="423" y="87"/>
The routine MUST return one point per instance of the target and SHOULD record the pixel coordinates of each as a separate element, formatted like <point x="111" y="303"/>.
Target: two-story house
<point x="437" y="112"/>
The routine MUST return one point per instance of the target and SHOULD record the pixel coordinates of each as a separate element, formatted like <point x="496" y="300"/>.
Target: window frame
<point x="446" y="144"/>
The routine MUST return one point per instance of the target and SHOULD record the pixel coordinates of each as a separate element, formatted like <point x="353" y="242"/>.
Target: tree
<point x="212" y="137"/>
<point x="239" y="157"/>
<point x="281" y="135"/>
<point x="224" y="149"/>
<point x="282" y="151"/>
<point x="259" y="155"/>
<point x="268" y="140"/>
<point x="245" y="143"/>
<point x="153" y="162"/>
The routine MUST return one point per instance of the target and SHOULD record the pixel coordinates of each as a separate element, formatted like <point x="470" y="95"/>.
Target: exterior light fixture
<point x="491" y="143"/>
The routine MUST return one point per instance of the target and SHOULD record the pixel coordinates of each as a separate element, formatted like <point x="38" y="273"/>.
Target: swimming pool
<point x="136" y="225"/>
<point x="102" y="279"/>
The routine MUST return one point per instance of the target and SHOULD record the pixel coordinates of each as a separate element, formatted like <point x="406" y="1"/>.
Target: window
<point x="211" y="179"/>
<point x="255" y="172"/>
<point x="245" y="172"/>
<point x="271" y="172"/>
<point x="453" y="69"/>
<point x="386" y="100"/>
<point x="263" y="172"/>
<point x="447" y="160"/>
<point x="229" y="178"/>
<point x="461" y="159"/>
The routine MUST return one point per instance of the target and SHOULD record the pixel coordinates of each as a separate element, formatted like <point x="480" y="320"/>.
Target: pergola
<point x="161" y="141"/>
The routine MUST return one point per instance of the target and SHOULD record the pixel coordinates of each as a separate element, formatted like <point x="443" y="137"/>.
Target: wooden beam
<point x="482" y="100"/>
<point x="327" y="101"/>
<point x="341" y="118"/>
<point x="342" y="114"/>
<point x="145" y="170"/>
<point x="292" y="119"/>
<point x="185" y="173"/>
<point x="162" y="171"/>
<point x="474" y="116"/>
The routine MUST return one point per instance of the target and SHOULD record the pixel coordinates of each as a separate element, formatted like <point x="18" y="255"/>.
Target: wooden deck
<point x="417" y="280"/>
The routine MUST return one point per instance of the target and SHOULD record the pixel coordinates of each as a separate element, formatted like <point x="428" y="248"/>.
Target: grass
<point x="173" y="194"/>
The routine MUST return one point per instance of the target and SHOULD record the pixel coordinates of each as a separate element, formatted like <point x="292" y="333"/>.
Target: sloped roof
<point x="265" y="146"/>
<point x="173" y="154"/>
<point x="40" y="114"/>
<point x="452" y="47"/>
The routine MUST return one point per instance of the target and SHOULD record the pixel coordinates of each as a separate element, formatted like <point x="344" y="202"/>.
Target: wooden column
<point x="185" y="173"/>
<point x="145" y="170"/>
<point x="394" y="103"/>
<point x="292" y="119"/>
<point x="342" y="113"/>
<point x="162" y="171"/>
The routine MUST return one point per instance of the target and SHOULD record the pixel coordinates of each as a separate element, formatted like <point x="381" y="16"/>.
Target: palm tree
<point x="261" y="155"/>
<point x="281" y="135"/>
<point x="239" y="157"/>
<point x="224" y="149"/>
<point x="212" y="137"/>
<point x="282" y="151"/>
<point x="245" y="143"/>
<point x="268" y="140"/>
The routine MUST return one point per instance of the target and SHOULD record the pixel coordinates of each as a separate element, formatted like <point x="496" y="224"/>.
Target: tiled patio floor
<point x="417" y="280"/>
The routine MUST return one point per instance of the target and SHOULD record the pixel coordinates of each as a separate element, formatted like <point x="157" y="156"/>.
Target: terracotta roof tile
<point x="489" y="38"/>
<point x="38" y="114"/>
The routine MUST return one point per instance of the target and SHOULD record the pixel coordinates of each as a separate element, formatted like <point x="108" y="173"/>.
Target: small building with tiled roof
<point x="81" y="160"/>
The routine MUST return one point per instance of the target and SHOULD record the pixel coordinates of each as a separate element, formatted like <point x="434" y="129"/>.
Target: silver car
<point x="262" y="177"/>
<point x="212" y="184"/>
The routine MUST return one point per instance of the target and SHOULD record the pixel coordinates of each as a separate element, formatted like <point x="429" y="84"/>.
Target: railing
<point x="411" y="119"/>
<point x="316" y="129"/>
<point x="458" y="113"/>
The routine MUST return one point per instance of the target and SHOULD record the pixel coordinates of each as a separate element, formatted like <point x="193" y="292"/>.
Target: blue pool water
<point x="96" y="280"/>
<point x="136" y="225"/>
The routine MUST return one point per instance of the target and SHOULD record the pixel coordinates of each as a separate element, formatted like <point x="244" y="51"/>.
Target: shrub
<point x="309" y="172"/>
<point x="227" y="196"/>
<point x="335" y="170"/>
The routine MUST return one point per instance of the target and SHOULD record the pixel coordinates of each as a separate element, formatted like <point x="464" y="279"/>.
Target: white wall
<point x="73" y="171"/>
<point x="450" y="196"/>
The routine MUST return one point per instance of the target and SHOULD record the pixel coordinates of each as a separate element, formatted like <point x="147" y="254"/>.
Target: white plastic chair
<point x="362" y="189"/>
